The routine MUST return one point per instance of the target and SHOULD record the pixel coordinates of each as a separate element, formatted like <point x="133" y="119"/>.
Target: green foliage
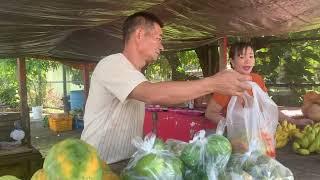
<point x="36" y="79"/>
<point x="76" y="76"/>
<point x="161" y="70"/>
<point x="9" y="84"/>
<point x="292" y="63"/>
<point x="189" y="61"/>
<point x="267" y="63"/>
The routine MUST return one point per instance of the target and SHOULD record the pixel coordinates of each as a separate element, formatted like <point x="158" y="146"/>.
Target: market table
<point x="302" y="167"/>
<point x="170" y="119"/>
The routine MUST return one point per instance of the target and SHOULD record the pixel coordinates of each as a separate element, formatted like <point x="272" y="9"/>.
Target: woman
<point x="242" y="60"/>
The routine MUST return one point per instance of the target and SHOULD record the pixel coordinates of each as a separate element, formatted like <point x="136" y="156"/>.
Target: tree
<point x="36" y="81"/>
<point x="9" y="85"/>
<point x="174" y="66"/>
<point x="291" y="62"/>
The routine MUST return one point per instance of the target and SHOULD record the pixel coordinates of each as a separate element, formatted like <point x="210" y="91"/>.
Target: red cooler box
<point x="179" y="124"/>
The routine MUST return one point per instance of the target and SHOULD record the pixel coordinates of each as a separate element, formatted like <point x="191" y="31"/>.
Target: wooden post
<point x="210" y="63"/>
<point x="223" y="53"/>
<point x="65" y="97"/>
<point x="86" y="83"/>
<point x="24" y="114"/>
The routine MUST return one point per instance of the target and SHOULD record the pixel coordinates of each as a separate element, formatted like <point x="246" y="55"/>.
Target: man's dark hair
<point x="236" y="49"/>
<point x="143" y="18"/>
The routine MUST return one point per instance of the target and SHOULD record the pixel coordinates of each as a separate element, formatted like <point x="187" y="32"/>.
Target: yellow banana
<point x="303" y="151"/>
<point x="298" y="135"/>
<point x="285" y="123"/>
<point x="282" y="143"/>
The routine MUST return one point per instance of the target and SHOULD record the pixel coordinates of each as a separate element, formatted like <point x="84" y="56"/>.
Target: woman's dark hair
<point x="236" y="49"/>
<point x="135" y="20"/>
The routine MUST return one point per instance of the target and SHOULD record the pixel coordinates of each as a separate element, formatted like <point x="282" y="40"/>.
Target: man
<point x="114" y="111"/>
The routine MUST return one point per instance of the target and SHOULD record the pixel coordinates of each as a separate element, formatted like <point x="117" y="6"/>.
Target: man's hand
<point x="230" y="82"/>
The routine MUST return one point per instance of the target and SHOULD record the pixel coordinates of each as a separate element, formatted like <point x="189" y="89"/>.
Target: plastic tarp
<point x="87" y="30"/>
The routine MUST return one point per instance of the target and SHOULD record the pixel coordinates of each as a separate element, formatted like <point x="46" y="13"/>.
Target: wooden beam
<point x="261" y="42"/>
<point x="86" y="82"/>
<point x="293" y="40"/>
<point x="222" y="54"/>
<point x="24" y="109"/>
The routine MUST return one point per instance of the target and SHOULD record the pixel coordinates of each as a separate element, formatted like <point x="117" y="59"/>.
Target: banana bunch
<point x="285" y="131"/>
<point x="308" y="141"/>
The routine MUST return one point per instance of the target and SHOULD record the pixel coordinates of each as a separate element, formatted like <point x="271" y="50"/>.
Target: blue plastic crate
<point x="78" y="123"/>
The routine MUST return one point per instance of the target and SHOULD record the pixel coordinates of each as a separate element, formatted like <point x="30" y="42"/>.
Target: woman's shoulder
<point x="256" y="76"/>
<point x="259" y="80"/>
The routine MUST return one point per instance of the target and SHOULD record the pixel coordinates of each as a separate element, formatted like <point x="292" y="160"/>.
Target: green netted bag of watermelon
<point x="206" y="157"/>
<point x="153" y="161"/>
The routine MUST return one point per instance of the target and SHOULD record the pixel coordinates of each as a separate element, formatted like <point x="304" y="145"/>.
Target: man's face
<point x="151" y="43"/>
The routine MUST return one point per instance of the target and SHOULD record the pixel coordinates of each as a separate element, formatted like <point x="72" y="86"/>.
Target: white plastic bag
<point x="152" y="161"/>
<point x="252" y="121"/>
<point x="258" y="166"/>
<point x="206" y="157"/>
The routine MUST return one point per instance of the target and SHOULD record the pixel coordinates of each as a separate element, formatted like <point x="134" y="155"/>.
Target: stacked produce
<point x="153" y="161"/>
<point x="73" y="159"/>
<point x="308" y="141"/>
<point x="285" y="131"/>
<point x="256" y="165"/>
<point x="206" y="157"/>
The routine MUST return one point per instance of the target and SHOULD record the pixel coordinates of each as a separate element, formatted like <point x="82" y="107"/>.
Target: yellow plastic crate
<point x="60" y="122"/>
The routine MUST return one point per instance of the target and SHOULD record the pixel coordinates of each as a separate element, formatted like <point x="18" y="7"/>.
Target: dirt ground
<point x="303" y="167"/>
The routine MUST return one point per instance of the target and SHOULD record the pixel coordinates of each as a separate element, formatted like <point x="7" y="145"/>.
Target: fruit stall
<point x="84" y="31"/>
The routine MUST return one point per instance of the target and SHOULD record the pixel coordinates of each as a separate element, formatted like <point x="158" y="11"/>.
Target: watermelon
<point x="190" y="155"/>
<point x="215" y="150"/>
<point x="218" y="151"/>
<point x="39" y="175"/>
<point x="8" y="177"/>
<point x="73" y="159"/>
<point x="155" y="166"/>
<point x="195" y="175"/>
<point x="159" y="144"/>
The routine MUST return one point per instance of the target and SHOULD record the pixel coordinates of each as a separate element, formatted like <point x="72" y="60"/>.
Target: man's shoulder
<point x="111" y="58"/>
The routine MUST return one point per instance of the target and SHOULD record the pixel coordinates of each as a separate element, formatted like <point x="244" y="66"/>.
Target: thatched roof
<point x="90" y="29"/>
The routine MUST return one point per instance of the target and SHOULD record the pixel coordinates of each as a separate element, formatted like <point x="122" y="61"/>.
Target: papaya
<point x="73" y="159"/>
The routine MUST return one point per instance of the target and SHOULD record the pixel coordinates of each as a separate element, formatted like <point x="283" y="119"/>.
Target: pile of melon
<point x="73" y="159"/>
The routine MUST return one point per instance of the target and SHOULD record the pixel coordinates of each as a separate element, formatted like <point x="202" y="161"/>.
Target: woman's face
<point x="244" y="61"/>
